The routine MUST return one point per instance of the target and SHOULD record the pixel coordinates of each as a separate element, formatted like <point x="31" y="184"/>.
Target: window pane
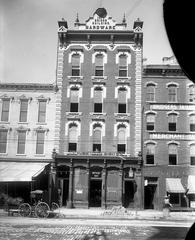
<point x="99" y="60"/>
<point x="172" y="126"/>
<point x="150" y="149"/>
<point x="172" y="159"/>
<point x="192" y="160"/>
<point x="72" y="147"/>
<point x="75" y="60"/>
<point x="98" y="96"/>
<point x="23" y="110"/>
<point x="42" y="111"/>
<point x="172" y="148"/>
<point x="40" y="142"/>
<point x="3" y="141"/>
<point x="5" y="110"/>
<point x="122" y="93"/>
<point x="172" y="93"/>
<point x="99" y="71"/>
<point x="150" y="93"/>
<point x="21" y="142"/>
<point x="174" y="198"/>
<point x="96" y="147"/>
<point x="98" y="107"/>
<point x="73" y="134"/>
<point x="97" y="136"/>
<point x="149" y="159"/>
<point x="75" y="71"/>
<point x="121" y="148"/>
<point x="121" y="108"/>
<point x="123" y="60"/>
<point x="121" y="136"/>
<point x="150" y="126"/>
<point x="74" y="107"/>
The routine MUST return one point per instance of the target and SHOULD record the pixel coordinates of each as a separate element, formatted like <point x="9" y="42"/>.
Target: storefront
<point x="97" y="181"/>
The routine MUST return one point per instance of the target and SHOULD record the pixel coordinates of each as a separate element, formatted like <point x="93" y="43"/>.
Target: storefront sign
<point x="96" y="174"/>
<point x="174" y="136"/>
<point x="79" y="191"/>
<point x="177" y="107"/>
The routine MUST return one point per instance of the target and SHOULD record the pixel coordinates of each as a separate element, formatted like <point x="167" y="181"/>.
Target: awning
<point x="191" y="184"/>
<point x="173" y="185"/>
<point x="20" y="171"/>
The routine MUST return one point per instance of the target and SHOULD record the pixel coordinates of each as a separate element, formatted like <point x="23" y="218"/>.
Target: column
<point x="70" y="193"/>
<point x="52" y="180"/>
<point x="138" y="194"/>
<point x="104" y="185"/>
<point x="121" y="183"/>
<point x="88" y="181"/>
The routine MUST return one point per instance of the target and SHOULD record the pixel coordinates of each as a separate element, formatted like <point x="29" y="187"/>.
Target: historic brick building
<point x="26" y="137"/>
<point x="168" y="136"/>
<point x="98" y="113"/>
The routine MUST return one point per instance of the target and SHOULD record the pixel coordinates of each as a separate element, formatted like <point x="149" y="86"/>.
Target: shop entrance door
<point x="95" y="193"/>
<point x="149" y="193"/>
<point x="129" y="194"/>
<point x="65" y="192"/>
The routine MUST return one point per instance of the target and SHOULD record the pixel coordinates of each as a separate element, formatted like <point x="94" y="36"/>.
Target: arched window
<point x="172" y="122"/>
<point x="97" y="137"/>
<point x="150" y="120"/>
<point x="172" y="93"/>
<point x="121" y="139"/>
<point x="122" y="100"/>
<point x="150" y="152"/>
<point x="76" y="64"/>
<point x="173" y="153"/>
<point x="192" y="93"/>
<point x="72" y="137"/>
<point x="192" y="154"/>
<point x="98" y="96"/>
<point x="123" y="65"/>
<point x="99" y="65"/>
<point x="74" y="99"/>
<point x="150" y="92"/>
<point x="192" y="123"/>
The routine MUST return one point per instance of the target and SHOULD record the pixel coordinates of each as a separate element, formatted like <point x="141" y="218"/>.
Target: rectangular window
<point x="172" y="159"/>
<point x="23" y="110"/>
<point x="99" y="71"/>
<point x="3" y="141"/>
<point x="21" y="142"/>
<point x="72" y="147"/>
<point x="42" y="111"/>
<point x="123" y="65"/>
<point x="192" y="160"/>
<point x="150" y="126"/>
<point x="172" y="126"/>
<point x="150" y="119"/>
<point x="192" y="93"/>
<point x="149" y="159"/>
<point x="99" y="65"/>
<point x="75" y="65"/>
<point x="5" y="110"/>
<point x="192" y="123"/>
<point x="74" y="107"/>
<point x="96" y="147"/>
<point x="150" y="95"/>
<point x="121" y="148"/>
<point x="97" y="107"/>
<point x="172" y="93"/>
<point x="40" y="142"/>
<point x="121" y="108"/>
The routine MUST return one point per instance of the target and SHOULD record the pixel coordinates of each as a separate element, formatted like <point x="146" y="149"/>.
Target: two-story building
<point x="26" y="137"/>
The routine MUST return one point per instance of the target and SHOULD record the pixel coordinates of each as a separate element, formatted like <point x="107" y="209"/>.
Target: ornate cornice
<point x="29" y="86"/>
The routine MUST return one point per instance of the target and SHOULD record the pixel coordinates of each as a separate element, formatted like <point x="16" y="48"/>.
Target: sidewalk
<point x="98" y="213"/>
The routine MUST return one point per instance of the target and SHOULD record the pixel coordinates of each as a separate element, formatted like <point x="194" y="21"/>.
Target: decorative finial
<point x="124" y="18"/>
<point x="77" y="18"/>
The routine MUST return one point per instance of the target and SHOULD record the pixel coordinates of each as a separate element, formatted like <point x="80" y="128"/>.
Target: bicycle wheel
<point x="24" y="210"/>
<point x="42" y="210"/>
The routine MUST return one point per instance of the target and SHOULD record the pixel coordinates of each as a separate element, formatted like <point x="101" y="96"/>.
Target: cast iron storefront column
<point x="88" y="181"/>
<point x="104" y="185"/>
<point x="51" y="186"/>
<point x="121" y="183"/>
<point x="138" y="194"/>
<point x="70" y="192"/>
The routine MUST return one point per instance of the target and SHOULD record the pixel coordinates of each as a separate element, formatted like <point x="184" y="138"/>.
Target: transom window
<point x="99" y="65"/>
<point x="76" y="64"/>
<point x="123" y="65"/>
<point x="172" y="93"/>
<point x="172" y="153"/>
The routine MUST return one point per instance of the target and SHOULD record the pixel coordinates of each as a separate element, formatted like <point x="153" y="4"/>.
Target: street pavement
<point x="19" y="228"/>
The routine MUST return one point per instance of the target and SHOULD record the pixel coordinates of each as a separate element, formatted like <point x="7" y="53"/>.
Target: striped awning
<point x="20" y="171"/>
<point x="173" y="185"/>
<point x="191" y="184"/>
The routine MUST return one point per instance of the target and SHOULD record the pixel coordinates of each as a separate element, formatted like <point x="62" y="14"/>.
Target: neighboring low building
<point x="168" y="136"/>
<point x="26" y="137"/>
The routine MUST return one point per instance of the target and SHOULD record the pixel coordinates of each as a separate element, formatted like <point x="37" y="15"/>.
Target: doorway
<point x="95" y="195"/>
<point x="149" y="193"/>
<point x="129" y="191"/>
<point x="65" y="192"/>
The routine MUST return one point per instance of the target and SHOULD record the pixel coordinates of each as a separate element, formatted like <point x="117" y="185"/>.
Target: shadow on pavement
<point x="96" y="236"/>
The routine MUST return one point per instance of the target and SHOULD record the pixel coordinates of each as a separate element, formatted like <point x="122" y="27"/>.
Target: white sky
<point x="28" y="33"/>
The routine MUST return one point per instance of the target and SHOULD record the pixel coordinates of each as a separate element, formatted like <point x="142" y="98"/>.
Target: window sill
<point x="172" y="165"/>
<point x="150" y="164"/>
<point x="21" y="155"/>
<point x="3" y="154"/>
<point x="75" y="77"/>
<point x="122" y="78"/>
<point x="41" y="123"/>
<point x="99" y="77"/>
<point x="4" y="122"/>
<point x="40" y="155"/>
<point x="98" y="114"/>
<point x="23" y="123"/>
<point x="122" y="114"/>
